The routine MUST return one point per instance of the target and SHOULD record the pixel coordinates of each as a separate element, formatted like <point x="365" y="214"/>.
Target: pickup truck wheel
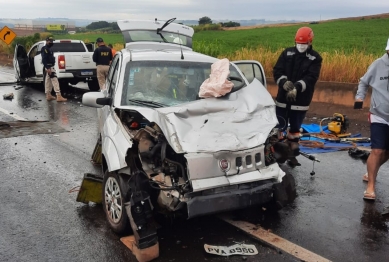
<point x="93" y="85"/>
<point x="63" y="84"/>
<point x="113" y="203"/>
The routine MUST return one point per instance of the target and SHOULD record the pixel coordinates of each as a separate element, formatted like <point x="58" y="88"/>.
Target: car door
<point x="21" y="63"/>
<point x="31" y="59"/>
<point x="110" y="84"/>
<point x="252" y="70"/>
<point x="38" y="60"/>
<point x="114" y="138"/>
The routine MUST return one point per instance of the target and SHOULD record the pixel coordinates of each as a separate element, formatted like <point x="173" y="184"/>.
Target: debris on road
<point x="237" y="249"/>
<point x="4" y="125"/>
<point x="9" y="96"/>
<point x="142" y="255"/>
<point x="90" y="189"/>
<point x="24" y="128"/>
<point x="359" y="153"/>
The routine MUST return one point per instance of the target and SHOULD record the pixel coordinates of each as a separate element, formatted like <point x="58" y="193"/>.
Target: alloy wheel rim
<point x="113" y="200"/>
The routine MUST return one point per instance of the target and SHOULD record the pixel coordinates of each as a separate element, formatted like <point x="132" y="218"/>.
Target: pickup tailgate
<point x="79" y="61"/>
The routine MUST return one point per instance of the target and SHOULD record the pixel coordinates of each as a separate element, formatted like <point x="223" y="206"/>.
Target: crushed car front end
<point x="170" y="151"/>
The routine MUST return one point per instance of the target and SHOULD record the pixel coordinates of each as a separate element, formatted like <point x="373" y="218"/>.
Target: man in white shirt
<point x="377" y="76"/>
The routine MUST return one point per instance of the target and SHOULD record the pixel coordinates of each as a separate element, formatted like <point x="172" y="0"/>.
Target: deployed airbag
<point x="217" y="84"/>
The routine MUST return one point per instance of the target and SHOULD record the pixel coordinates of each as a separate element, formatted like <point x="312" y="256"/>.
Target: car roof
<point x="171" y="54"/>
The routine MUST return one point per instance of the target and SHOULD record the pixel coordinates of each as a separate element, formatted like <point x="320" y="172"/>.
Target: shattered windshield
<point x="165" y="83"/>
<point x="153" y="36"/>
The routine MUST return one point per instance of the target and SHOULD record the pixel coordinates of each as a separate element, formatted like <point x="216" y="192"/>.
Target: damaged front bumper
<point x="242" y="197"/>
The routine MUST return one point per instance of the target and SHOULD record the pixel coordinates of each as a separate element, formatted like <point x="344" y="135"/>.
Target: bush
<point x="207" y="27"/>
<point x="26" y="41"/>
<point x="230" y="24"/>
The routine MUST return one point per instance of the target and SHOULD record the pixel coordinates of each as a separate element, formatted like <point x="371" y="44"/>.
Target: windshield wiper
<point x="146" y="103"/>
<point x="161" y="28"/>
<point x="165" y="25"/>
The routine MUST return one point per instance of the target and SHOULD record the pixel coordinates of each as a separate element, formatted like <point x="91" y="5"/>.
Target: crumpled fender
<point x="111" y="155"/>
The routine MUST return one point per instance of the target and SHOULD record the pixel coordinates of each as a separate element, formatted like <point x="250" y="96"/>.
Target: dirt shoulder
<point x="6" y="60"/>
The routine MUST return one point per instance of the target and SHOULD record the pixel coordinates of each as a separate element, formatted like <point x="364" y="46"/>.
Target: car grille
<point x="248" y="161"/>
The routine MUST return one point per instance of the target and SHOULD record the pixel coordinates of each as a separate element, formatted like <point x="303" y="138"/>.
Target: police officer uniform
<point x="102" y="56"/>
<point x="51" y="80"/>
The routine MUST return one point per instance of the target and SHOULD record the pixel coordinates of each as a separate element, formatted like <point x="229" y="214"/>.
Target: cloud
<point x="193" y="9"/>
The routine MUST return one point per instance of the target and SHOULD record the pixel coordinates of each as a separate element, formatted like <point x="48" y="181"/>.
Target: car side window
<point x="39" y="48"/>
<point x="112" y="75"/>
<point x="33" y="52"/>
<point x="114" y="80"/>
<point x="251" y="71"/>
<point x="258" y="73"/>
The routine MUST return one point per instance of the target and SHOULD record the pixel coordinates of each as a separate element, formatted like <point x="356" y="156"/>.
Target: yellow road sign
<point x="7" y="35"/>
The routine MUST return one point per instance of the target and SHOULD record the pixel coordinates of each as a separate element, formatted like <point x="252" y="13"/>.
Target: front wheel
<point x="113" y="203"/>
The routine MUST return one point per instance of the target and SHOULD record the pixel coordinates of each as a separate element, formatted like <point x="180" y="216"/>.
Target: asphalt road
<point x="41" y="221"/>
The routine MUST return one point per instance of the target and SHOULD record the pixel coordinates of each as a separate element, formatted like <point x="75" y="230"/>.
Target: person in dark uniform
<point x="296" y="73"/>
<point x="51" y="79"/>
<point x="102" y="56"/>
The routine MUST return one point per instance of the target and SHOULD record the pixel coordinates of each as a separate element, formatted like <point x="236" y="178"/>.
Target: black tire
<point x="113" y="200"/>
<point x="63" y="84"/>
<point x="93" y="85"/>
<point x="284" y="192"/>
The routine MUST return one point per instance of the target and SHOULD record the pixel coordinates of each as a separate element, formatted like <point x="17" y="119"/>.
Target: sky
<point x="112" y="10"/>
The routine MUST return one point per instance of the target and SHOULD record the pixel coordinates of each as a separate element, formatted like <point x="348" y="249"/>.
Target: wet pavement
<point x="41" y="221"/>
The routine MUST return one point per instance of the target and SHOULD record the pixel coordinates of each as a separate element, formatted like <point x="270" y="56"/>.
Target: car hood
<point x="238" y="121"/>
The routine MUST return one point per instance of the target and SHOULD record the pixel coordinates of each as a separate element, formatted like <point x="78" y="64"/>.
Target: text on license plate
<point x="238" y="249"/>
<point x="86" y="73"/>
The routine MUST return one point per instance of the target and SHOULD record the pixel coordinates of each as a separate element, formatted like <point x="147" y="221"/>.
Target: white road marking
<point x="12" y="115"/>
<point x="276" y="241"/>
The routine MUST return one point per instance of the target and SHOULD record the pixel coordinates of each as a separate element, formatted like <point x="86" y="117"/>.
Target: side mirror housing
<point x="95" y="99"/>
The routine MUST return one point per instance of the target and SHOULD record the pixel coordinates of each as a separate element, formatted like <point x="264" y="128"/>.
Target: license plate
<point x="238" y="249"/>
<point x="86" y="73"/>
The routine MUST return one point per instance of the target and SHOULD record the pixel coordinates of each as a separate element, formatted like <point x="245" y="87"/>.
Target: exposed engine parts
<point x="165" y="170"/>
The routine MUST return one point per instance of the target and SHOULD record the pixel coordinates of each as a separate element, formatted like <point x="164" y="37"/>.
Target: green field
<point x="348" y="47"/>
<point x="368" y="36"/>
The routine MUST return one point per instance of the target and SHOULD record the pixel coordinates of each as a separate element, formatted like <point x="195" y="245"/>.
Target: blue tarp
<point x="329" y="146"/>
<point x="313" y="128"/>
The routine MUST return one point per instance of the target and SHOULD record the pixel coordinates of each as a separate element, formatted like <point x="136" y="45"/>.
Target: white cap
<point x="387" y="46"/>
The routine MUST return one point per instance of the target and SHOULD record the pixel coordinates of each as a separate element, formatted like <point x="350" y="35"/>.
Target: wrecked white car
<point x="165" y="149"/>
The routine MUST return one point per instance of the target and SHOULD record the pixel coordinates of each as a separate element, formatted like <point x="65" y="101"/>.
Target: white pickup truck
<point x="73" y="64"/>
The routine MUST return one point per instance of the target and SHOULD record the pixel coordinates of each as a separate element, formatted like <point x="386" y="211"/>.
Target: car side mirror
<point x="96" y="99"/>
<point x="106" y="101"/>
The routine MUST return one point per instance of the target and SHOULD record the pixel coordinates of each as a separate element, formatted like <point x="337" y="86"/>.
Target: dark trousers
<point x="294" y="118"/>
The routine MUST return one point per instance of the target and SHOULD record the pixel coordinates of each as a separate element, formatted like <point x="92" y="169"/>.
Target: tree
<point x="98" y="25"/>
<point x="205" y="20"/>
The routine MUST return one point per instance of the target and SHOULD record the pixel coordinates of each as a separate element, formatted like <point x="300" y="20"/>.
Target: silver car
<point x="165" y="149"/>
